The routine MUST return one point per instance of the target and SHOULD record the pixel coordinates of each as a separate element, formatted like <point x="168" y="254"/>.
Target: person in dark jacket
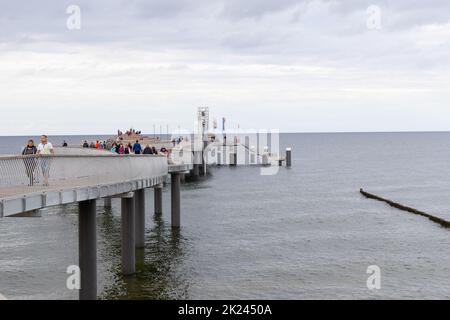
<point x="30" y="161"/>
<point x="148" y="150"/>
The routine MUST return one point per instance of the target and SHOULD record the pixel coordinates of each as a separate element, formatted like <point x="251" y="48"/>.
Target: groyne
<point x="442" y="222"/>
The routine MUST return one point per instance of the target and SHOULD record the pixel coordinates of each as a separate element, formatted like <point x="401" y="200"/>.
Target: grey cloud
<point x="166" y="9"/>
<point x="398" y="14"/>
<point x="284" y="30"/>
<point x="237" y="9"/>
<point x="177" y="20"/>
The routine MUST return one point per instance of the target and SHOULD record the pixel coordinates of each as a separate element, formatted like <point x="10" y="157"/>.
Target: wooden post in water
<point x="288" y="157"/>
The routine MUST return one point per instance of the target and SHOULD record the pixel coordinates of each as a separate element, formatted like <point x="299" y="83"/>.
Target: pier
<point x="88" y="175"/>
<point x="85" y="177"/>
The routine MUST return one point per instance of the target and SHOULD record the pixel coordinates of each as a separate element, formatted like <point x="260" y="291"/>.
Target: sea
<point x="302" y="233"/>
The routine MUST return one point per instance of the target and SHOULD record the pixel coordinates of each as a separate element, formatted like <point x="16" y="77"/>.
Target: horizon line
<point x="233" y="132"/>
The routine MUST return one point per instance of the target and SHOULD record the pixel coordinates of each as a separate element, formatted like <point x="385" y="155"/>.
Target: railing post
<point x="140" y="218"/>
<point x="128" y="236"/>
<point x="87" y="246"/>
<point x="175" y="199"/>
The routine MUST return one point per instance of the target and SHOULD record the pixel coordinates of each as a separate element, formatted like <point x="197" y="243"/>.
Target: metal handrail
<point x="79" y="156"/>
<point x="23" y="173"/>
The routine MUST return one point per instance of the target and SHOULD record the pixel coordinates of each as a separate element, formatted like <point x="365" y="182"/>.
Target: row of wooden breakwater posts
<point x="440" y="221"/>
<point x="85" y="179"/>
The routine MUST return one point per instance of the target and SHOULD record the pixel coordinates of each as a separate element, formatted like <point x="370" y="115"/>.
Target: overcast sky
<point x="293" y="65"/>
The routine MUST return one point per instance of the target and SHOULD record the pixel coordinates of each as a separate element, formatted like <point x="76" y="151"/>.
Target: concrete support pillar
<point x="87" y="246"/>
<point x="258" y="151"/>
<point x="196" y="170"/>
<point x="128" y="236"/>
<point x="175" y="200"/>
<point x="253" y="155"/>
<point x="139" y="210"/>
<point x="288" y="157"/>
<point x="265" y="159"/>
<point x="107" y="203"/>
<point x="204" y="156"/>
<point x="219" y="158"/>
<point x="158" y="199"/>
<point x="197" y="157"/>
<point x="224" y="155"/>
<point x="233" y="158"/>
<point x="269" y="142"/>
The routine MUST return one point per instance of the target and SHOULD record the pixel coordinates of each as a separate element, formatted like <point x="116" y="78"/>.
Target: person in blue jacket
<point x="137" y="148"/>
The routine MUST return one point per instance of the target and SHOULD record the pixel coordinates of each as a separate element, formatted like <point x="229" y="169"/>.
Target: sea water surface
<point x="304" y="233"/>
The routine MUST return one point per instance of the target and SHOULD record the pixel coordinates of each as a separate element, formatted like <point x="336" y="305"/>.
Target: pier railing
<point x="23" y="174"/>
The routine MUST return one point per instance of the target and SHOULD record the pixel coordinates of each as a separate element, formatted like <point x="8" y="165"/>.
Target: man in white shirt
<point x="45" y="148"/>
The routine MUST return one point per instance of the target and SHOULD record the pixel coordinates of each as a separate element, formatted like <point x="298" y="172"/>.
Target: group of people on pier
<point x="45" y="148"/>
<point x="124" y="148"/>
<point x="129" y="132"/>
